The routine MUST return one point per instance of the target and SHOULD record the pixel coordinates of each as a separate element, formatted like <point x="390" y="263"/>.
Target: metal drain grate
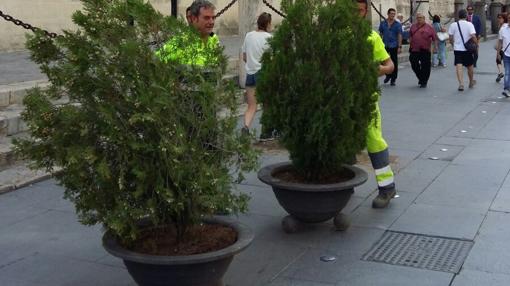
<point x="420" y="251"/>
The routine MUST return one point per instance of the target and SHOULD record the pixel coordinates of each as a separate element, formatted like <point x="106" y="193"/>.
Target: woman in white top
<point x="255" y="43"/>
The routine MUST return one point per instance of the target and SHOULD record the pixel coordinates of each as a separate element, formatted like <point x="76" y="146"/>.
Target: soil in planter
<point x="198" y="239"/>
<point x="291" y="176"/>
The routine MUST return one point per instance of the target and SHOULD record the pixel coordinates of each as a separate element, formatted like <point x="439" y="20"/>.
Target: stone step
<point x="19" y="176"/>
<point x="11" y="122"/>
<point x="13" y="94"/>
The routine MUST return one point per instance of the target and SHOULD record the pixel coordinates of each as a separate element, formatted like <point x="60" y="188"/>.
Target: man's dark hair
<point x="199" y="4"/>
<point x="469" y="7"/>
<point x="436" y="19"/>
<point x="462" y="14"/>
<point x="362" y="1"/>
<point x="263" y="21"/>
<point x="392" y="10"/>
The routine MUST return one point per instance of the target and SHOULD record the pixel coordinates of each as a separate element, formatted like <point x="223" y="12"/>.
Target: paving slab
<point x="477" y="278"/>
<point x="57" y="270"/>
<point x="445" y="221"/>
<point x="419" y="174"/>
<point x="502" y="201"/>
<point x="295" y="282"/>
<point x="490" y="252"/>
<point x="441" y="152"/>
<point x="348" y="269"/>
<point x="464" y="186"/>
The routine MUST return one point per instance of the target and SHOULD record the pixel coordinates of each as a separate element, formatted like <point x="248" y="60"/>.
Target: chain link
<point x="274" y="9"/>
<point x="225" y="9"/>
<point x="17" y="22"/>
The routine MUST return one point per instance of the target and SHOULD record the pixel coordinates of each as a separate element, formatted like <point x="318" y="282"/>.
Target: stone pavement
<point x="464" y="194"/>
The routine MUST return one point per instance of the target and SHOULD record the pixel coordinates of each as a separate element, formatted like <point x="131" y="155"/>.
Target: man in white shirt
<point x="460" y="32"/>
<point x="502" y="47"/>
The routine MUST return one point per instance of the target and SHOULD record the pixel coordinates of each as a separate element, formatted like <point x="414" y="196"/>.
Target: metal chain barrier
<point x="20" y="23"/>
<point x="377" y="11"/>
<point x="274" y="9"/>
<point x="225" y="9"/>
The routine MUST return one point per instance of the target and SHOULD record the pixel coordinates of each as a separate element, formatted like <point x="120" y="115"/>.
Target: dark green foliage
<point x="318" y="83"/>
<point x="134" y="141"/>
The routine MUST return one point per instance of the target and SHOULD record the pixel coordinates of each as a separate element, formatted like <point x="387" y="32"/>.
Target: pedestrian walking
<point x="502" y="21"/>
<point x="255" y="43"/>
<point x="502" y="49"/>
<point x="376" y="145"/>
<point x="439" y="57"/>
<point x="460" y="32"/>
<point x="391" y="33"/>
<point x="422" y="37"/>
<point x="475" y="19"/>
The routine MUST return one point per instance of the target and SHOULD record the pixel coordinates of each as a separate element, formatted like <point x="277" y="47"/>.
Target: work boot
<point x="383" y="199"/>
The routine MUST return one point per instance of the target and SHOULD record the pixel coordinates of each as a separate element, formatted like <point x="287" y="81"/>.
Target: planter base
<point x="291" y="224"/>
<point x="205" y="269"/>
<point x="312" y="203"/>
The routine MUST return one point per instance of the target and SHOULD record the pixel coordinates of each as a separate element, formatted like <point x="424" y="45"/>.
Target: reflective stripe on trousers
<point x="379" y="156"/>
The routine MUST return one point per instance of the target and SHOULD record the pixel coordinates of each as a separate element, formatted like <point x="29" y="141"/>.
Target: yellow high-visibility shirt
<point x="188" y="50"/>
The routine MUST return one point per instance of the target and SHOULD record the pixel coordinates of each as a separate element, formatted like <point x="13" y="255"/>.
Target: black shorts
<point x="464" y="58"/>
<point x="251" y="79"/>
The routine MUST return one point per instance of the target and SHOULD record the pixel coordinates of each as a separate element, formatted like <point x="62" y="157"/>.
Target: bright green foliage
<point x="139" y="138"/>
<point x="318" y="83"/>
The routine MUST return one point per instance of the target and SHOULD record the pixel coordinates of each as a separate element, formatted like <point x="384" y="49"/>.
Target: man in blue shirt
<point x="475" y="19"/>
<point x="391" y="33"/>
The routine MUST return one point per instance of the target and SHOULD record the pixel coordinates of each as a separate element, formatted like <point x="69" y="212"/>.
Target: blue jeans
<point x="506" y="61"/>
<point x="440" y="55"/>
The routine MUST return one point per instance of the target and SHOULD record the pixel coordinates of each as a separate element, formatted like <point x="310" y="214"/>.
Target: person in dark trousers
<point x="422" y="36"/>
<point x="475" y="19"/>
<point x="391" y="33"/>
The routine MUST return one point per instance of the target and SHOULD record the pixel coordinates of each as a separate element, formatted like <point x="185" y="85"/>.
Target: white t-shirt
<point x="255" y="43"/>
<point x="504" y="34"/>
<point x="467" y="31"/>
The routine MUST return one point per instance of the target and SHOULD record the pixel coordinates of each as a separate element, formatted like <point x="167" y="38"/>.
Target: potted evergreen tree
<point x="318" y="84"/>
<point x="147" y="149"/>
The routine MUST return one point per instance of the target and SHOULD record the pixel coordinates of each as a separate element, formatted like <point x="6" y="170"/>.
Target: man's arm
<point x="386" y="67"/>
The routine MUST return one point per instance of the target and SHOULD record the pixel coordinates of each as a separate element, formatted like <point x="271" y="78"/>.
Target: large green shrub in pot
<point x="139" y="138"/>
<point x="318" y="83"/>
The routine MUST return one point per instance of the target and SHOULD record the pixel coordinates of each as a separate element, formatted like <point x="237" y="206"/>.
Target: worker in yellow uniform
<point x="187" y="50"/>
<point x="376" y="145"/>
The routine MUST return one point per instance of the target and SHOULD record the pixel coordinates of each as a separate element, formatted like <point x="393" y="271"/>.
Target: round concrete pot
<point x="312" y="203"/>
<point x="205" y="269"/>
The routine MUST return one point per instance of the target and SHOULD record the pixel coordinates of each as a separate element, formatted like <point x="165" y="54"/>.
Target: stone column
<point x="458" y="5"/>
<point x="480" y="11"/>
<point x="247" y="22"/>
<point x="495" y="9"/>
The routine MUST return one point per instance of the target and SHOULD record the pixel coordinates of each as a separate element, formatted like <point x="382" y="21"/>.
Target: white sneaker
<point x="506" y="93"/>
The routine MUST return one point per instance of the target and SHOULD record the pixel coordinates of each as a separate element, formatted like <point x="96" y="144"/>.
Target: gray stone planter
<point x="312" y="203"/>
<point x="205" y="269"/>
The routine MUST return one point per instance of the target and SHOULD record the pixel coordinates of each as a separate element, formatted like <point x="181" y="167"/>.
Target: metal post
<point x="459" y="4"/>
<point x="174" y="8"/>
<point x="495" y="8"/>
<point x="479" y="7"/>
